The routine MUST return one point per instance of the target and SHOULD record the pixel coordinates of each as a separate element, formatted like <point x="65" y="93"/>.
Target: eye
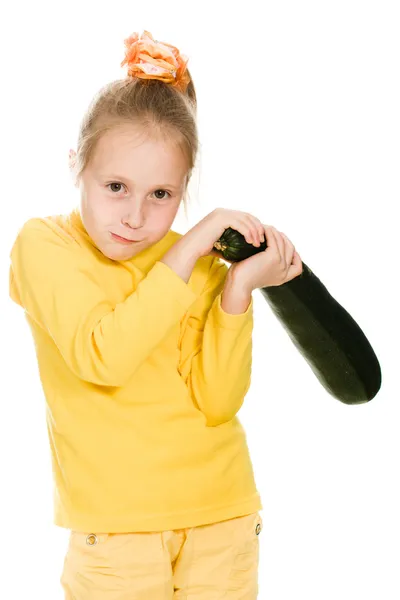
<point x="115" y="183"/>
<point x="163" y="192"/>
<point x="118" y="184"/>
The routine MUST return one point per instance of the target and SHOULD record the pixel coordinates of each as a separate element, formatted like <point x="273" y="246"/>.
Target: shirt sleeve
<point x="101" y="343"/>
<point x="216" y="351"/>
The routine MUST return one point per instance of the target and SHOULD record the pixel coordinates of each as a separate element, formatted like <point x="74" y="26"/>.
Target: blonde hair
<point x="158" y="109"/>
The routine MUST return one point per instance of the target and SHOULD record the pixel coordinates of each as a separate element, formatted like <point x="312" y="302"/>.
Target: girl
<point x="144" y="345"/>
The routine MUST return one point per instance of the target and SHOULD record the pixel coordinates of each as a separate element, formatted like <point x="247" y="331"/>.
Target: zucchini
<point x="326" y="335"/>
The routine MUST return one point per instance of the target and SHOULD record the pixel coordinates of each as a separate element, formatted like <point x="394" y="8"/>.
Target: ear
<point x="72" y="166"/>
<point x="72" y="159"/>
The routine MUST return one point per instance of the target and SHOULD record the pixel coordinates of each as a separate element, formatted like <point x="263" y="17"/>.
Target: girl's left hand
<point x="276" y="265"/>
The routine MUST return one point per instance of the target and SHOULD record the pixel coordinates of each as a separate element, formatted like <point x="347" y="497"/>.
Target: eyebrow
<point x="121" y="178"/>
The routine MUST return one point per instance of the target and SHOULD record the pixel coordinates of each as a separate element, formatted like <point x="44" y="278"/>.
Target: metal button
<point x="258" y="529"/>
<point x="91" y="539"/>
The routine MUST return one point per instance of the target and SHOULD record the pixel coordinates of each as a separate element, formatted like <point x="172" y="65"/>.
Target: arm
<point x="216" y="347"/>
<point x="101" y="343"/>
<point x="234" y="300"/>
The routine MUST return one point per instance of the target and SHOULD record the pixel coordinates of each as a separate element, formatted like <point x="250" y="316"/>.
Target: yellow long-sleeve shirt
<point x="143" y="375"/>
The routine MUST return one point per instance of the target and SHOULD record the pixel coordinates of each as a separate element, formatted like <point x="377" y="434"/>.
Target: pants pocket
<point x="244" y="571"/>
<point x="113" y="566"/>
<point x="85" y="565"/>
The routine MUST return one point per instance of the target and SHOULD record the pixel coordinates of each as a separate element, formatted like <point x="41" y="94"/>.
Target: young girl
<point x="144" y="345"/>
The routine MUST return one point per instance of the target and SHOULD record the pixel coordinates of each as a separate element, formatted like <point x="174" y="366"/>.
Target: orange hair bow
<point x="150" y="59"/>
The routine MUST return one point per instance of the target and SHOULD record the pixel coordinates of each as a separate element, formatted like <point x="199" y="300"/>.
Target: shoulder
<point x="39" y="232"/>
<point x="42" y="248"/>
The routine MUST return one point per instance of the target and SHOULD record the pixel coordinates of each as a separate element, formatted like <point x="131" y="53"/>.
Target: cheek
<point x="164" y="215"/>
<point x="110" y="211"/>
<point x="101" y="217"/>
<point x="97" y="204"/>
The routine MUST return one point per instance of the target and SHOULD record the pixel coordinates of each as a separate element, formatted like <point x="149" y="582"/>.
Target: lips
<point x="122" y="239"/>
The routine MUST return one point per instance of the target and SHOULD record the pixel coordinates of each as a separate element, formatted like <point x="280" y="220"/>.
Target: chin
<point x="120" y="254"/>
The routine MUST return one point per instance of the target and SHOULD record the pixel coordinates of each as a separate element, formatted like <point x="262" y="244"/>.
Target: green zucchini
<point x="326" y="335"/>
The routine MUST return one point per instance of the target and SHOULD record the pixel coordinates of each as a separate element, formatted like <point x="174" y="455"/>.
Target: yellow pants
<point x="199" y="563"/>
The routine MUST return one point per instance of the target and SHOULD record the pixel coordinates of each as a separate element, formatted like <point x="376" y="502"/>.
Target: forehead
<point x="133" y="153"/>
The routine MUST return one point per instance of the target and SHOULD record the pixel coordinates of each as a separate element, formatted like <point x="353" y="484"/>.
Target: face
<point x="132" y="188"/>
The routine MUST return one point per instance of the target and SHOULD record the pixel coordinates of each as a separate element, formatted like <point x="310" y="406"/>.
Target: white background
<point x="299" y="124"/>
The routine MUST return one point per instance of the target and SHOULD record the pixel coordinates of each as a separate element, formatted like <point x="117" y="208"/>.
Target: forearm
<point x="220" y="373"/>
<point x="107" y="346"/>
<point x="181" y="258"/>
<point x="128" y="335"/>
<point x="235" y="298"/>
<point x="150" y="316"/>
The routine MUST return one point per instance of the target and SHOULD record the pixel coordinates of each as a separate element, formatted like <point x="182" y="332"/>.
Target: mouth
<point x="123" y="240"/>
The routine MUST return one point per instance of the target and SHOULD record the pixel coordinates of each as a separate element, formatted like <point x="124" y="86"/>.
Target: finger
<point x="271" y="240"/>
<point x="280" y="244"/>
<point x="297" y="262"/>
<point x="244" y="226"/>
<point x="259" y="229"/>
<point x="252" y="234"/>
<point x="297" y="259"/>
<point x="289" y="249"/>
<point x="253" y="224"/>
<point x="296" y="268"/>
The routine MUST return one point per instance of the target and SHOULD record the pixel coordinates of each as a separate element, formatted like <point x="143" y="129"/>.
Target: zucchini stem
<point x="220" y="246"/>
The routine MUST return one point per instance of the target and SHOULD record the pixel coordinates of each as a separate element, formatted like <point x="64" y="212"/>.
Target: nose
<point x="134" y="218"/>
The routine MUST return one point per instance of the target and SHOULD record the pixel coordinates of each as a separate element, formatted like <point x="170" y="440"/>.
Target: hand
<point x="276" y="265"/>
<point x="206" y="232"/>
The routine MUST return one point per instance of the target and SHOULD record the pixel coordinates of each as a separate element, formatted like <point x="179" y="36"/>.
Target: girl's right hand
<point x="206" y="232"/>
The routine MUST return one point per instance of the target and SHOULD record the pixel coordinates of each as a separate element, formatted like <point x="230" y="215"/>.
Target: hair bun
<point x="150" y="59"/>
